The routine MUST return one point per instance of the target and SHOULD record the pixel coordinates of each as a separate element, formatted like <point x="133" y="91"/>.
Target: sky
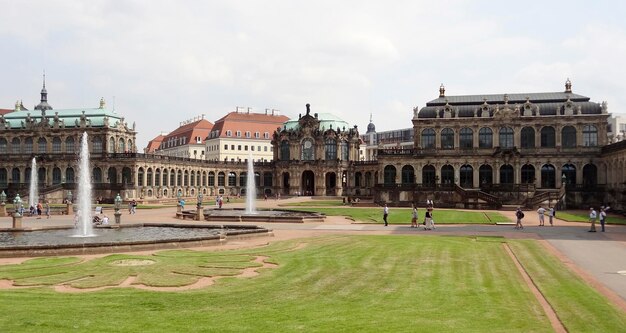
<point x="159" y="63"/>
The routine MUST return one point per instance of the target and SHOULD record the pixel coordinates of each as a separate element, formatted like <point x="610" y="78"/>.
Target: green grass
<point x="403" y="215"/>
<point x="314" y="203"/>
<point x="334" y="284"/>
<point x="583" y="216"/>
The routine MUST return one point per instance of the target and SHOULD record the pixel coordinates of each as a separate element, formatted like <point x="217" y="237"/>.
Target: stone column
<point x="3" y="209"/>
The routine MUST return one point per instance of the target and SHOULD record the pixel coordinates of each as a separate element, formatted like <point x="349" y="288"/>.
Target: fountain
<point x="33" y="195"/>
<point x="84" y="191"/>
<point x="250" y="188"/>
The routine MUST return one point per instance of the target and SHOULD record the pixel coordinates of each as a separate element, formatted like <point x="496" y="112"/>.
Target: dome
<point x="371" y="127"/>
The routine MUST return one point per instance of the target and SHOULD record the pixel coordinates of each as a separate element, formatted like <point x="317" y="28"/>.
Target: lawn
<point x="403" y="215"/>
<point x="333" y="284"/>
<point x="583" y="216"/>
<point x="314" y="203"/>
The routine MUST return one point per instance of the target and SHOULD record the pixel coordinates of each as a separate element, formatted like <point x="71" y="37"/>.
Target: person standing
<point x="39" y="209"/>
<point x="519" y="215"/>
<point x="47" y="207"/>
<point x="385" y="214"/>
<point x="551" y="216"/>
<point x="602" y="217"/>
<point x="540" y="212"/>
<point x="592" y="218"/>
<point x="414" y="217"/>
<point x="428" y="218"/>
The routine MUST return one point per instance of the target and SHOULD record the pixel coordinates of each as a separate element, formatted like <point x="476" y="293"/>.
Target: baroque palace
<point x="462" y="151"/>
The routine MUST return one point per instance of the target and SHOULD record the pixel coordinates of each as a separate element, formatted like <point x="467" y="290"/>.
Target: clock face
<point x="307" y="144"/>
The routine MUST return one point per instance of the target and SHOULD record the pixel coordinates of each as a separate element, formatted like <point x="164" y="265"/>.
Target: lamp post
<point x="17" y="216"/>
<point x="118" y="204"/>
<point x="199" y="209"/>
<point x="69" y="209"/>
<point x="3" y="200"/>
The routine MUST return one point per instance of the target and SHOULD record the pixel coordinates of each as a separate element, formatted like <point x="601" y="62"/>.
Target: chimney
<point x="266" y="109"/>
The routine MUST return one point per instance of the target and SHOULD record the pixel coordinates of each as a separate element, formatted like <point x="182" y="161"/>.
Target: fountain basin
<point x="127" y="238"/>
<point x="237" y="215"/>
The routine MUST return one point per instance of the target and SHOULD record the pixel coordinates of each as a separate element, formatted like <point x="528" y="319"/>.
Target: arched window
<point x="111" y="145"/>
<point x="203" y="178"/>
<point x="243" y="179"/>
<point x="121" y="146"/>
<point x="590" y="136"/>
<point x="140" y="177"/>
<point x="69" y="145"/>
<point x="56" y="145"/>
<point x="428" y="175"/>
<point x="506" y="174"/>
<point x="590" y="175"/>
<point x="307" y="150"/>
<point x="149" y="177"/>
<point x="267" y="179"/>
<point x="568" y="137"/>
<point x="548" y="137"/>
<point x="97" y="175"/>
<point x="193" y="178"/>
<point x="3" y="146"/>
<point x="179" y="178"/>
<point x="447" y="175"/>
<point x="4" y="177"/>
<point x="186" y="178"/>
<point x="211" y="178"/>
<point x="389" y="175"/>
<point x="284" y="150"/>
<point x="569" y="171"/>
<point x="485" y="175"/>
<point x="466" y="138"/>
<point x="15" y="175"/>
<point x="69" y="176"/>
<point x="528" y="174"/>
<point x="96" y="145"/>
<point x="527" y="137"/>
<point x="548" y="179"/>
<point x="157" y="177"/>
<point x="485" y="138"/>
<point x="408" y="175"/>
<point x="232" y="179"/>
<point x="129" y="147"/>
<point x="221" y="179"/>
<point x="506" y="138"/>
<point x="41" y="175"/>
<point x="28" y="145"/>
<point x="345" y="151"/>
<point x="447" y="138"/>
<point x="15" y="146"/>
<point x="42" y="145"/>
<point x="466" y="174"/>
<point x="330" y="149"/>
<point x="56" y="176"/>
<point x="428" y="138"/>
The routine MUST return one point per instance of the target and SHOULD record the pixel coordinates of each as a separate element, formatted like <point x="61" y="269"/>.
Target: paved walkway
<point x="601" y="255"/>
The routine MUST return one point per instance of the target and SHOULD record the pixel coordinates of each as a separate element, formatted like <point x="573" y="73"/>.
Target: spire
<point x="43" y="105"/>
<point x="442" y="91"/>
<point x="568" y="86"/>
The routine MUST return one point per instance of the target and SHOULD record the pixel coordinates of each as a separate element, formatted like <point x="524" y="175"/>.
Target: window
<point x="506" y="137"/>
<point x="331" y="149"/>
<point x="548" y="137"/>
<point x="225" y="147"/>
<point x="232" y="147"/>
<point x="466" y="138"/>
<point x="42" y="145"/>
<point x="590" y="136"/>
<point x="252" y="148"/>
<point x="211" y="178"/>
<point x="238" y="134"/>
<point x="238" y="147"/>
<point x="307" y="150"/>
<point x="528" y="137"/>
<point x="245" y="147"/>
<point x="408" y="174"/>
<point x="389" y="176"/>
<point x="56" y="146"/>
<point x="15" y="146"/>
<point x="428" y="138"/>
<point x="232" y="179"/>
<point x="345" y="151"/>
<point x="257" y="135"/>
<point x="69" y="145"/>
<point x="568" y="137"/>
<point x="266" y="135"/>
<point x="3" y="145"/>
<point x="447" y="138"/>
<point x="264" y="148"/>
<point x="229" y="133"/>
<point x="221" y="179"/>
<point x="28" y="146"/>
<point x="247" y="134"/>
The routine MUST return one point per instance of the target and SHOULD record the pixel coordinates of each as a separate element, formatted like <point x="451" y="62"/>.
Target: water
<point x="250" y="188"/>
<point x="33" y="195"/>
<point x="84" y="212"/>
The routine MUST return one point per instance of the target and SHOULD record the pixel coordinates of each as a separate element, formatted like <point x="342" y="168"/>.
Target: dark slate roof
<point x="513" y="98"/>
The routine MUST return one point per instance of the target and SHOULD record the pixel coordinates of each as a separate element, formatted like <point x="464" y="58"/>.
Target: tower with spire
<point x="43" y="104"/>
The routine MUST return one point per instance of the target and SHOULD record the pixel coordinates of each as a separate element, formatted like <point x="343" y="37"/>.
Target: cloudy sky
<point x="162" y="62"/>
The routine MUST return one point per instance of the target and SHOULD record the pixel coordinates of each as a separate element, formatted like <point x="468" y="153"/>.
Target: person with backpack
<point x="519" y="215"/>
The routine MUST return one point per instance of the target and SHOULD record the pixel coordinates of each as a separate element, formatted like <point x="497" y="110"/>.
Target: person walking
<point x="540" y="212"/>
<point x="602" y="217"/>
<point x="385" y="214"/>
<point x="551" y="216"/>
<point x="414" y="217"/>
<point x="134" y="206"/>
<point x="592" y="218"/>
<point x="519" y="215"/>
<point x="428" y="218"/>
<point x="47" y="208"/>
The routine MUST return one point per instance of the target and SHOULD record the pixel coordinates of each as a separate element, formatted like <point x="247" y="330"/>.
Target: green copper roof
<point x="327" y="121"/>
<point x="70" y="117"/>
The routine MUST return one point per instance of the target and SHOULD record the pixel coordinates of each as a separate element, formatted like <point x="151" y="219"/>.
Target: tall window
<point x="528" y="137"/>
<point x="69" y="175"/>
<point x="345" y="151"/>
<point x="96" y="145"/>
<point x="3" y="145"/>
<point x="307" y="150"/>
<point x="548" y="137"/>
<point x="28" y="146"/>
<point x="232" y="179"/>
<point x="447" y="138"/>
<point x="466" y="138"/>
<point x="428" y="175"/>
<point x="548" y="176"/>
<point x="466" y="174"/>
<point x="506" y="137"/>
<point x="331" y="149"/>
<point x="56" y="145"/>
<point x="15" y="146"/>
<point x="221" y="179"/>
<point x="42" y="145"/>
<point x="211" y="178"/>
<point x="69" y="145"/>
<point x="568" y="137"/>
<point x="111" y="145"/>
<point x="590" y="136"/>
<point x="506" y="174"/>
<point x="284" y="150"/>
<point x="408" y="174"/>
<point x="485" y="138"/>
<point x="528" y="174"/>
<point x="389" y="175"/>
<point x="485" y="175"/>
<point x="56" y="176"/>
<point x="428" y="138"/>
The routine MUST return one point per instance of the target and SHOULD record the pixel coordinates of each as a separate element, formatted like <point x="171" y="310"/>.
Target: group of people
<point x="593" y="216"/>
<point x="429" y="222"/>
<point x="132" y="207"/>
<point x="38" y="209"/>
<point x="541" y="213"/>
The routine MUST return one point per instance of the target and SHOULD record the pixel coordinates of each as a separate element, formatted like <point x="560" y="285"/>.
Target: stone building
<point x="498" y="149"/>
